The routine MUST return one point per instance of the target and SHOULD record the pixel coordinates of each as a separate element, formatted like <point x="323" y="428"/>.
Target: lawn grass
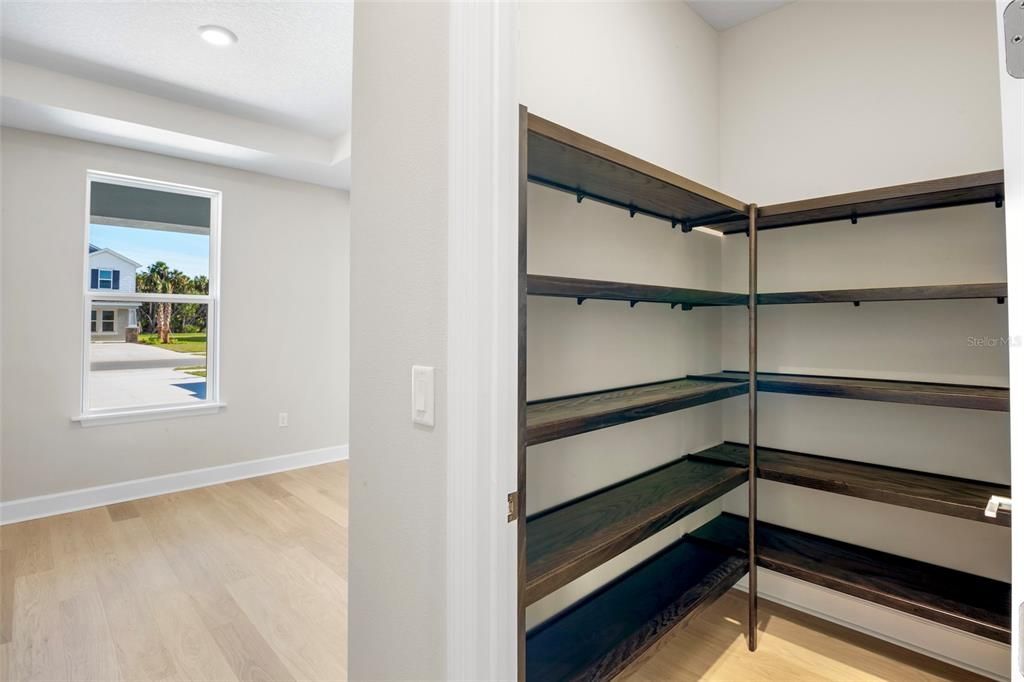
<point x="180" y="343"/>
<point x="196" y="371"/>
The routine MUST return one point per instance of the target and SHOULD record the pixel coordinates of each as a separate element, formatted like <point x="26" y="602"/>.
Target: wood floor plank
<point x="250" y="656"/>
<point x="192" y="646"/>
<point x="122" y="511"/>
<point x="89" y="650"/>
<point x="296" y="622"/>
<point x="141" y="653"/>
<point x="37" y="647"/>
<point x="30" y="543"/>
<point x="6" y="594"/>
<point x="268" y="487"/>
<point x="312" y="495"/>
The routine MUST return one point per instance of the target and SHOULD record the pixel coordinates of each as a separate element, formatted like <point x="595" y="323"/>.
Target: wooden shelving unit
<point x="568" y="161"/>
<point x="881" y="390"/>
<point x="585" y="289"/>
<point x="554" y="418"/>
<point x="565" y="542"/>
<point x="941" y="292"/>
<point x="967" y="602"/>
<point x="960" y="497"/>
<point x="977" y="188"/>
<point x="596" y="638"/>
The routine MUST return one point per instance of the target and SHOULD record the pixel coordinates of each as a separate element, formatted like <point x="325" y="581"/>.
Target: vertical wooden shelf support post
<point x="752" y="432"/>
<point x="521" y="479"/>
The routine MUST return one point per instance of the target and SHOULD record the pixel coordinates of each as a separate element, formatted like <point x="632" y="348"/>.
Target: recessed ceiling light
<point x="217" y="35"/>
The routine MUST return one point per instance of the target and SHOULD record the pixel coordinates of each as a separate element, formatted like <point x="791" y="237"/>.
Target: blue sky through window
<point x="189" y="253"/>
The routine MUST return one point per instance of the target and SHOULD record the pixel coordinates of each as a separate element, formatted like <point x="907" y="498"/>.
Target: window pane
<point x="158" y="242"/>
<point x="156" y="355"/>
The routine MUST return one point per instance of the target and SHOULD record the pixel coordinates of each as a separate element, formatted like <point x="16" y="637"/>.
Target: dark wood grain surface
<point x="954" y="598"/>
<point x="993" y="290"/>
<point x="960" y="497"/>
<point x="567" y="160"/>
<point x="883" y="390"/>
<point x="565" y="542"/>
<point x="596" y="638"/>
<point x="555" y="418"/>
<point x="569" y="287"/>
<point x="961" y="190"/>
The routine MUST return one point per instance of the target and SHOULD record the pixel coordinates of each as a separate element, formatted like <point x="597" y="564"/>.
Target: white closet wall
<point x="641" y="77"/>
<point x="823" y="98"/>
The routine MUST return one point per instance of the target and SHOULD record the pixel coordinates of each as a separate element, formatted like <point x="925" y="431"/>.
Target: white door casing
<point x="1012" y="94"/>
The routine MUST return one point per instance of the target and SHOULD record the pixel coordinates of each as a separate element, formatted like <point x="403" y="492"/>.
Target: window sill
<point x="129" y="416"/>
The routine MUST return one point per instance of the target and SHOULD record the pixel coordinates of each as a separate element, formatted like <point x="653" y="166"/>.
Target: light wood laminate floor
<point x="248" y="581"/>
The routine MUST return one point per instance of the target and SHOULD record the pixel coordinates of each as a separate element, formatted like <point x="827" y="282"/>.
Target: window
<point x="106" y="319"/>
<point x="151" y="298"/>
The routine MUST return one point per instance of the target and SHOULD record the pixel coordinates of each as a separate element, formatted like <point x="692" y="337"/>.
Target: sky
<point x="189" y="253"/>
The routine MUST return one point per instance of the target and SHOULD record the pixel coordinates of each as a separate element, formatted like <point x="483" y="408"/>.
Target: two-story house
<point x="111" y="272"/>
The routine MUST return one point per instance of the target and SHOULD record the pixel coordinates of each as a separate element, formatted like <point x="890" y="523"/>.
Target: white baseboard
<point x="29" y="508"/>
<point x="971" y="652"/>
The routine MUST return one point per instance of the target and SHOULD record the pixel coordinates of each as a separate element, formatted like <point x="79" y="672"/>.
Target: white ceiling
<point x="724" y="14"/>
<point x="292" y="65"/>
<point x="137" y="75"/>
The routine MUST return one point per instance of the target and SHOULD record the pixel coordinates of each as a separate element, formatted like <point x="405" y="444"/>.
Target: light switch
<point x="423" y="395"/>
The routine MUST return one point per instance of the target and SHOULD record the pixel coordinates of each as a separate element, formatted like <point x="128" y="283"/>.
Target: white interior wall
<point x="398" y="474"/>
<point x="284" y="322"/>
<point x="640" y="76"/>
<point x="820" y="98"/>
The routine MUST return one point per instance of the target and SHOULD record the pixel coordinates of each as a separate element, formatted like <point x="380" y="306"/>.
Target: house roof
<point x="95" y="250"/>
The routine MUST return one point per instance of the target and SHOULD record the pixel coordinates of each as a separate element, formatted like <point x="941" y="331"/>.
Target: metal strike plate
<point x="1013" y="26"/>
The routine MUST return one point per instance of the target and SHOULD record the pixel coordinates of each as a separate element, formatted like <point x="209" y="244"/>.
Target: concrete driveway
<point x="139" y="387"/>
<point x="119" y="355"/>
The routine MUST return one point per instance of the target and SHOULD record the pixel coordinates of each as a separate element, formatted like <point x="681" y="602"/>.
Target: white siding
<point x="110" y="261"/>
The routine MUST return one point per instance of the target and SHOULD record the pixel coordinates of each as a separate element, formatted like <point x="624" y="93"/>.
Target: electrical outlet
<point x="282" y="419"/>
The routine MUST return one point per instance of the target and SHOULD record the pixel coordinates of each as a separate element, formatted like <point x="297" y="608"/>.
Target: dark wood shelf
<point x="993" y="290"/>
<point x="581" y="289"/>
<point x="960" y="497"/>
<point x="596" y="638"/>
<point x="977" y="188"/>
<point x="566" y="160"/>
<point x="565" y="542"/>
<point x="882" y="390"/>
<point x="954" y="598"/>
<point x="554" y="418"/>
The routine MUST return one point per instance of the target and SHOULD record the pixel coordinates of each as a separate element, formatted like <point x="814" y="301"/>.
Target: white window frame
<point x="212" y="403"/>
<point x="100" y="278"/>
<point x="99" y="321"/>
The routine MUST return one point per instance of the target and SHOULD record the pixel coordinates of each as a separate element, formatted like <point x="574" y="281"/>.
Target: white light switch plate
<point x="422" y="395"/>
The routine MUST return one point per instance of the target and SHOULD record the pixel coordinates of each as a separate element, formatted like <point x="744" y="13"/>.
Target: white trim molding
<point x="482" y="379"/>
<point x="1012" y="105"/>
<point x="29" y="508"/>
<point x="978" y="654"/>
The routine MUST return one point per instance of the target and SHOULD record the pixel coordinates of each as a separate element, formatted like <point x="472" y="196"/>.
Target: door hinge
<point x="513" y="506"/>
<point x="1013" y="28"/>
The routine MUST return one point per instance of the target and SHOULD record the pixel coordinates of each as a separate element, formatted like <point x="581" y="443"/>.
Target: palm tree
<point x="158" y="279"/>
